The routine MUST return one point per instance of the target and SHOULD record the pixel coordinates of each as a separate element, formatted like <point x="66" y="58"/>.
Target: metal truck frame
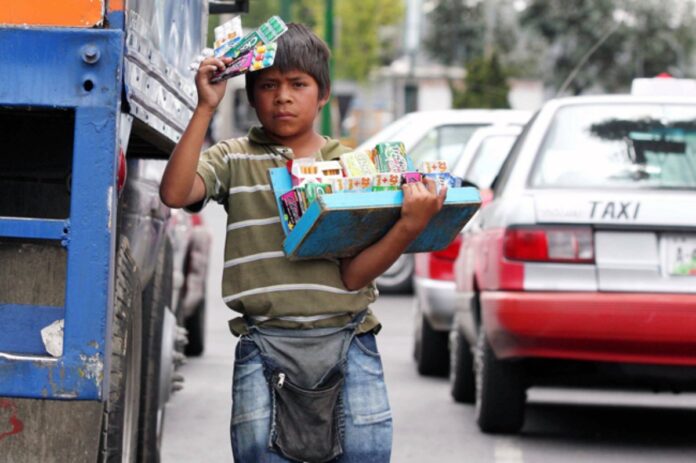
<point x="91" y="270"/>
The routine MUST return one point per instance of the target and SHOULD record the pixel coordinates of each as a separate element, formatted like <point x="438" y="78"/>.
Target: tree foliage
<point x="456" y="31"/>
<point x="485" y="85"/>
<point x="359" y="29"/>
<point x="644" y="38"/>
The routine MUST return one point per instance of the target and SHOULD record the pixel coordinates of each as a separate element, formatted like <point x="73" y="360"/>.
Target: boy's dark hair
<point x="299" y="49"/>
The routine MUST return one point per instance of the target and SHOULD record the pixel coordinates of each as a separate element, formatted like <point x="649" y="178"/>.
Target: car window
<point x="488" y="158"/>
<point x="623" y="146"/>
<point x="504" y="174"/>
<point x="445" y="142"/>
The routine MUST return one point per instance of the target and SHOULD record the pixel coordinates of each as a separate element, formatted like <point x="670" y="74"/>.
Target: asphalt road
<point x="561" y="425"/>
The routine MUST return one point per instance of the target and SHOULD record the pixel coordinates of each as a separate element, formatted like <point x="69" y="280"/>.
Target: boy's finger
<point x="442" y="196"/>
<point x="431" y="185"/>
<point x="408" y="192"/>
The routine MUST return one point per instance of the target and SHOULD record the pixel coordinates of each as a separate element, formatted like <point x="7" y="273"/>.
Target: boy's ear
<point x="325" y="99"/>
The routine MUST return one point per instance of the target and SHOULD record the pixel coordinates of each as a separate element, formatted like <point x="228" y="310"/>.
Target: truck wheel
<point x="157" y="297"/>
<point x="430" y="348"/>
<point x="195" y="325"/>
<point x="462" y="380"/>
<point x="500" y="391"/>
<point x="119" y="436"/>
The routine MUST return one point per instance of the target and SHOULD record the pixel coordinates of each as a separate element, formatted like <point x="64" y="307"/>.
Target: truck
<point x="98" y="279"/>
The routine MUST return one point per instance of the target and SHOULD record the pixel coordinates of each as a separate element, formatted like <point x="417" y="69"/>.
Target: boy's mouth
<point x="283" y="115"/>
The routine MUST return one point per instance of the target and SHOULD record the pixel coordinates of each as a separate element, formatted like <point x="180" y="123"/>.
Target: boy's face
<point x="287" y="103"/>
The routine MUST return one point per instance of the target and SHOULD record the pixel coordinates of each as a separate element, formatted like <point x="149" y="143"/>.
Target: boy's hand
<point x="421" y="203"/>
<point x="209" y="94"/>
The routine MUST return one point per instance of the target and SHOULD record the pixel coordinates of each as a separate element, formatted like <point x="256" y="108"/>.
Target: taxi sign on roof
<point x="664" y="85"/>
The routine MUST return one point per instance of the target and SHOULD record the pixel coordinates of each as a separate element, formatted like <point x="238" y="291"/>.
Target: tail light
<point x="549" y="244"/>
<point x="441" y="263"/>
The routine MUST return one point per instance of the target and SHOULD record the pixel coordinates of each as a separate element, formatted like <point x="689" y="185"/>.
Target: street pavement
<point x="562" y="425"/>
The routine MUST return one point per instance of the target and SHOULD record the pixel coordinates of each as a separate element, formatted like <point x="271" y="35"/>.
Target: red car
<point x="582" y="269"/>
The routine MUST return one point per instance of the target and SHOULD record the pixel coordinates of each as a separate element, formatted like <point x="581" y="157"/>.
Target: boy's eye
<point x="268" y="85"/>
<point x="300" y="84"/>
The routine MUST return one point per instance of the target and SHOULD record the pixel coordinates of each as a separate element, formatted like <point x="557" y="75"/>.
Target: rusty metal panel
<point x="63" y="13"/>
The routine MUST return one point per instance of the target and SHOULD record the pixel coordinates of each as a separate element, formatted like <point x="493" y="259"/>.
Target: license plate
<point x="680" y="254"/>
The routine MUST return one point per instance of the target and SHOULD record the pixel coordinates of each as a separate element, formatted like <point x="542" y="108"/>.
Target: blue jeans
<point x="368" y="421"/>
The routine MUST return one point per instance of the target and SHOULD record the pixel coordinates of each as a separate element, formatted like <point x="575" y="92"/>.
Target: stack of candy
<point x="385" y="168"/>
<point x="250" y="53"/>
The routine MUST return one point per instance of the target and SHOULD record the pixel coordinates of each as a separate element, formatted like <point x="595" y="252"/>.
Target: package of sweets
<point x="237" y="67"/>
<point x="433" y="167"/>
<point x="262" y="57"/>
<point x="358" y="164"/>
<point x="352" y="184"/>
<point x="226" y="35"/>
<point x="391" y="157"/>
<point x="291" y="208"/>
<point x="442" y="179"/>
<point x="312" y="190"/>
<point x="390" y="181"/>
<point x="266" y="33"/>
<point x="411" y="177"/>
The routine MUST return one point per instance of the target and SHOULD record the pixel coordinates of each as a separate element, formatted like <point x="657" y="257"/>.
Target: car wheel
<point x="430" y="348"/>
<point x="399" y="277"/>
<point x="500" y="391"/>
<point x="462" y="378"/>
<point x="195" y="325"/>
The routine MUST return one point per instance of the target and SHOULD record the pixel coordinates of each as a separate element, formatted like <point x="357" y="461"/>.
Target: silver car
<point x="429" y="136"/>
<point x="434" y="302"/>
<point x="582" y="269"/>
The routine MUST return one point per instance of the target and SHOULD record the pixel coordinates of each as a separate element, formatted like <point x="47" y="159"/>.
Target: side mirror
<point x="228" y="6"/>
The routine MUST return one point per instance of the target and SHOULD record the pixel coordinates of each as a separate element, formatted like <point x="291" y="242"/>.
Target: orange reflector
<point x="68" y="13"/>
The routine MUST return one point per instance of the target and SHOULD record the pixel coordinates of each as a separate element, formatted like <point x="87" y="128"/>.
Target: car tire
<point x="119" y="433"/>
<point x="157" y="298"/>
<point x="462" y="379"/>
<point x="430" y="348"/>
<point x="195" y="325"/>
<point x="500" y="391"/>
<point x="398" y="278"/>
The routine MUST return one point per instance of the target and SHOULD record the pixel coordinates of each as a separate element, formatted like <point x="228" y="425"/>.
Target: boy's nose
<point x="282" y="95"/>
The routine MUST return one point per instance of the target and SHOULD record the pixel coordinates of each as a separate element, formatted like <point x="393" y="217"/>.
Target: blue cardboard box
<point x="342" y="224"/>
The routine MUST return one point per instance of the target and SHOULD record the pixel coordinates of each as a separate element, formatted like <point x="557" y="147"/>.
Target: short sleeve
<point x="213" y="168"/>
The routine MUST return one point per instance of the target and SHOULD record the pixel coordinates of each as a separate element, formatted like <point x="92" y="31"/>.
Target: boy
<point x="308" y="382"/>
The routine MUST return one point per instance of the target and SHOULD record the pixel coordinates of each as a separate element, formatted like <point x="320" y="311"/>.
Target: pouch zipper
<point x="281" y="380"/>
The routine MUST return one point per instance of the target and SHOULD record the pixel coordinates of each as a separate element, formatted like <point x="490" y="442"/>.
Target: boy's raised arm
<point x="421" y="203"/>
<point x="180" y="185"/>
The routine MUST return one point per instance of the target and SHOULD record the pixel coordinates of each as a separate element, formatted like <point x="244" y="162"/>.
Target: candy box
<point x="358" y="164"/>
<point x="352" y="184"/>
<point x="342" y="224"/>
<point x="386" y="182"/>
<point x="391" y="157"/>
<point x="432" y="167"/>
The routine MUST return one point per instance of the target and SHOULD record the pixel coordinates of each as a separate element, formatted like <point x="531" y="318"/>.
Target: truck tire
<point x="195" y="325"/>
<point x="430" y="348"/>
<point x="157" y="298"/>
<point x="462" y="378"/>
<point x="500" y="391"/>
<point x="119" y="435"/>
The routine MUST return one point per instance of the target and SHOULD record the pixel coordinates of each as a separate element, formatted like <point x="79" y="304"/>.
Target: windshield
<point x="619" y="146"/>
<point x="443" y="143"/>
<point x="488" y="158"/>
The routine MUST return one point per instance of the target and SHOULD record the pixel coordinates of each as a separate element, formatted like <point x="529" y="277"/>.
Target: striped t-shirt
<point x="258" y="280"/>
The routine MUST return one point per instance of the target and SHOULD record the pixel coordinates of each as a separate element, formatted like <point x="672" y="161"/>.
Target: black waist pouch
<point x="308" y="423"/>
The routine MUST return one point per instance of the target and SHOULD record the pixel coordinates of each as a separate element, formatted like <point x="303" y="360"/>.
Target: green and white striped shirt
<point x="258" y="280"/>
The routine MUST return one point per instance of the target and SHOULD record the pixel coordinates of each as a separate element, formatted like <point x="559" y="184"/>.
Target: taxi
<point x="582" y="268"/>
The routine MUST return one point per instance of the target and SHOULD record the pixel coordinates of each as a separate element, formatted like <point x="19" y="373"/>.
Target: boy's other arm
<point x="181" y="186"/>
<point x="420" y="205"/>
